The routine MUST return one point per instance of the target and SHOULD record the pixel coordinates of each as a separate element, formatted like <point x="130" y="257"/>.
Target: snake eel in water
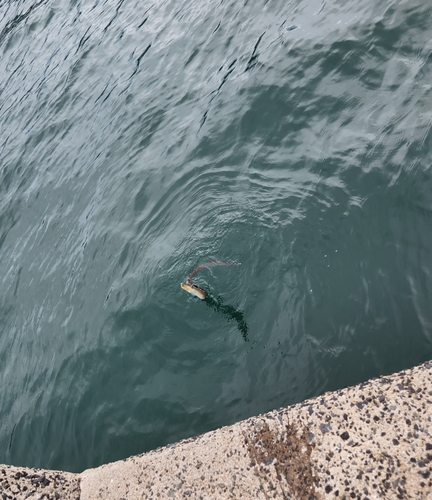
<point x="189" y="287"/>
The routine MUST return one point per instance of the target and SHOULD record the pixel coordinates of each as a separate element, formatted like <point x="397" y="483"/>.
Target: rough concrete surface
<point x="369" y="441"/>
<point x="21" y="482"/>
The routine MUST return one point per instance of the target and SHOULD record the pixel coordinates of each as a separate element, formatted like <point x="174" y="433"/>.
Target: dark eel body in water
<point x="216" y="303"/>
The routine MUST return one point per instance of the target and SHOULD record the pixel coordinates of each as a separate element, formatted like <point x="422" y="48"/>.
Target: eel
<point x="194" y="290"/>
<point x="189" y="287"/>
<point x="216" y="303"/>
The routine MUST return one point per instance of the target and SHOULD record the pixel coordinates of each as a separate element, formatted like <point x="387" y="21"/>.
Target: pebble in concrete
<point x="366" y="442"/>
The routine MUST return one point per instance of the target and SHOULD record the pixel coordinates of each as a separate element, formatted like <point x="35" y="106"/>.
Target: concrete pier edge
<point x="365" y="442"/>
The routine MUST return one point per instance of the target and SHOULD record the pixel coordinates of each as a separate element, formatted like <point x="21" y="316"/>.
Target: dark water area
<point x="139" y="139"/>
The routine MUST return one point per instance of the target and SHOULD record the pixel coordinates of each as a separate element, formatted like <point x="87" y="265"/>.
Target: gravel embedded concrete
<point x="365" y="442"/>
<point x="24" y="483"/>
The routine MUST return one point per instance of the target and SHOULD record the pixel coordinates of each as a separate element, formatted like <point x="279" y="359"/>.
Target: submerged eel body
<point x="216" y="303"/>
<point x="189" y="287"/>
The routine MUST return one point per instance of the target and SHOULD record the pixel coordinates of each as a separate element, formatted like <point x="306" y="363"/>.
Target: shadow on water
<point x="230" y="312"/>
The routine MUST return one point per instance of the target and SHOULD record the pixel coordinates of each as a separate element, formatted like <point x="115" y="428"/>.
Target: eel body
<point x="194" y="290"/>
<point x="189" y="287"/>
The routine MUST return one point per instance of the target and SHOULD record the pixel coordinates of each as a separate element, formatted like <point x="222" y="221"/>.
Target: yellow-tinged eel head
<point x="194" y="290"/>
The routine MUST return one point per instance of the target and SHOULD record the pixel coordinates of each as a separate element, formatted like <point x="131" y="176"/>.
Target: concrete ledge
<point x="22" y="482"/>
<point x="370" y="441"/>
